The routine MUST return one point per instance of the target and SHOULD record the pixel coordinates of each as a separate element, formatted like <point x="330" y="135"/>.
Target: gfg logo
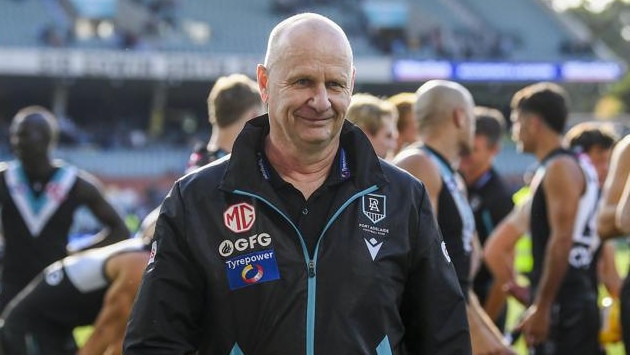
<point x="227" y="247"/>
<point x="240" y="217"/>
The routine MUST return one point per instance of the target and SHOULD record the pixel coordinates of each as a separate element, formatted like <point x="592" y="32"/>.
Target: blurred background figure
<point x="93" y="287"/>
<point x="586" y="138"/>
<point x="39" y="197"/>
<point x="594" y="142"/>
<point x="446" y="129"/>
<point x="614" y="217"/>
<point x="233" y="100"/>
<point x="407" y="125"/>
<point x="563" y="316"/>
<point x="377" y="119"/>
<point x="490" y="199"/>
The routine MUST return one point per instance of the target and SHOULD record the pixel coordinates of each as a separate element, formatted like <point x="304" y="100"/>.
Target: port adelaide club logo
<point x="375" y="209"/>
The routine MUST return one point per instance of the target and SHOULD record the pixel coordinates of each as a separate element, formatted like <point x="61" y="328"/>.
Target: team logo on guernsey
<point x="54" y="274"/>
<point x="240" y="217"/>
<point x="37" y="210"/>
<point x="251" y="269"/>
<point x="374" y="207"/>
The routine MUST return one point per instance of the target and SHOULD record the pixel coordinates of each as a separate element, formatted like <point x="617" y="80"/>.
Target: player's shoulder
<point x="4" y="165"/>
<point x="418" y="163"/>
<point x="414" y="157"/>
<point x="563" y="163"/>
<point x="623" y="147"/>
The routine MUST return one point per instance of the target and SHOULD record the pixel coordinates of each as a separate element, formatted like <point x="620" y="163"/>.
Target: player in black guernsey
<point x="593" y="141"/>
<point x="490" y="199"/>
<point x="38" y="197"/>
<point x="563" y="317"/>
<point x="233" y="100"/>
<point x="446" y="127"/>
<point x="92" y="287"/>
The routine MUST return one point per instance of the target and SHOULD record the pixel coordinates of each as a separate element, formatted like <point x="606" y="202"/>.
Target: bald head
<point x="304" y="28"/>
<point x="437" y="99"/>
<point x="39" y="116"/>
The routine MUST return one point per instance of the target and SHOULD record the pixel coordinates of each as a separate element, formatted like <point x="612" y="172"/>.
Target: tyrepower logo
<point x="240" y="217"/>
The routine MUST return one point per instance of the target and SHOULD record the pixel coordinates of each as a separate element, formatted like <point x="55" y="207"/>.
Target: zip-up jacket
<point x="230" y="273"/>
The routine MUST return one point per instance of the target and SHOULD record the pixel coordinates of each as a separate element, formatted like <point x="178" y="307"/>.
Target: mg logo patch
<point x="374" y="207"/>
<point x="240" y="217"/>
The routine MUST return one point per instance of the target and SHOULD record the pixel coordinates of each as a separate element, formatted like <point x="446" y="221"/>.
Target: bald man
<point x="290" y="245"/>
<point x="446" y="128"/>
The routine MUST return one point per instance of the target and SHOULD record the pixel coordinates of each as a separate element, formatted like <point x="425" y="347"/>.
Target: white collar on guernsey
<point x="37" y="210"/>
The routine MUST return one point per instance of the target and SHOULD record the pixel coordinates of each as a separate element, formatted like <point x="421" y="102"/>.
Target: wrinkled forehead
<point x="309" y="35"/>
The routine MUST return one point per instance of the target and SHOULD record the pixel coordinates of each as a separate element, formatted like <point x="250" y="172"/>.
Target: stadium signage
<point x="570" y="71"/>
<point x="166" y="66"/>
<point x="121" y="65"/>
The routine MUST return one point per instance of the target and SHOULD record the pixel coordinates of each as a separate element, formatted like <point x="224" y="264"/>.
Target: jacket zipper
<point x="311" y="264"/>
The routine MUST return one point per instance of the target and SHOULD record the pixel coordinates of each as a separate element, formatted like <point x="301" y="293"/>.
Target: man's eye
<point x="334" y="84"/>
<point x="302" y="82"/>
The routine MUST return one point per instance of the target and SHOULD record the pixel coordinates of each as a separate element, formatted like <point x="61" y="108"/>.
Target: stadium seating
<point x="21" y="22"/>
<point x="539" y="30"/>
<point x="241" y="26"/>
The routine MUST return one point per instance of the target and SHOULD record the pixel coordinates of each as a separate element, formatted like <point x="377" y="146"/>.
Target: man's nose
<point x="320" y="100"/>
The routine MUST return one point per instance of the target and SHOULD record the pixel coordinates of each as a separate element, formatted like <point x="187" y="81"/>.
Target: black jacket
<point x="231" y="273"/>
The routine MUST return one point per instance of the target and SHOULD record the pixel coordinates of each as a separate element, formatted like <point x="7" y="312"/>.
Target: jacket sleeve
<point x="434" y="308"/>
<point x="165" y="318"/>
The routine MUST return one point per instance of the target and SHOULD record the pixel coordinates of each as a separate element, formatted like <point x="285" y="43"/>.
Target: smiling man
<point x="290" y="245"/>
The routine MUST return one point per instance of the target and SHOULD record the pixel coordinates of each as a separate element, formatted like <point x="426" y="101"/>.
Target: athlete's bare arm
<point x="613" y="219"/>
<point x="622" y="218"/>
<point x="424" y="169"/>
<point x="90" y="192"/>
<point x="607" y="270"/>
<point x="499" y="253"/>
<point x="125" y="270"/>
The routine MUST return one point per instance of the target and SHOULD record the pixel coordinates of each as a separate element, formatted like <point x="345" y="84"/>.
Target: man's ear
<point x="261" y="75"/>
<point x="458" y="117"/>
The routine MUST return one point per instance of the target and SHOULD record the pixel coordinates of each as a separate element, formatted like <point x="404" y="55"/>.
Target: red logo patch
<point x="240" y="217"/>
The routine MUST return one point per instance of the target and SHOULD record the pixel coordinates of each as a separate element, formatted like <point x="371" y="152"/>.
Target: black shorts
<point x="574" y="330"/>
<point x="44" y="314"/>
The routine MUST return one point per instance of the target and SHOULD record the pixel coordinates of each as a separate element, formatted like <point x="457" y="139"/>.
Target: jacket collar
<point x="247" y="170"/>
